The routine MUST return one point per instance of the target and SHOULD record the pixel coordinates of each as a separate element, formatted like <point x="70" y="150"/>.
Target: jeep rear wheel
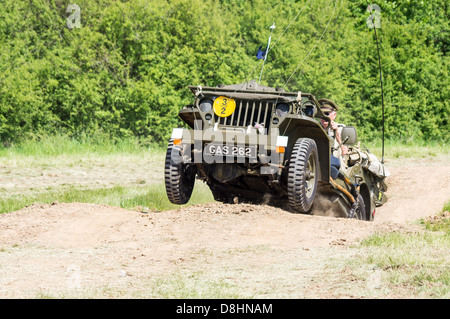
<point x="359" y="210"/>
<point x="303" y="175"/>
<point x="179" y="177"/>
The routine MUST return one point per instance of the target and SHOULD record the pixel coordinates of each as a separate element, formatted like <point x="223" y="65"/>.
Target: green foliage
<point x="125" y="71"/>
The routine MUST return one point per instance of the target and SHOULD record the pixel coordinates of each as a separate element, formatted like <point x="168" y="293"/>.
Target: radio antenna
<point x="373" y="22"/>
<point x="266" y="51"/>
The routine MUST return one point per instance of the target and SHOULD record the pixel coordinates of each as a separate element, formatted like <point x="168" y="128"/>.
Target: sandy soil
<point x="214" y="250"/>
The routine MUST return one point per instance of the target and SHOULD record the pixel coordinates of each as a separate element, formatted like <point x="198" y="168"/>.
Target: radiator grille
<point x="248" y="113"/>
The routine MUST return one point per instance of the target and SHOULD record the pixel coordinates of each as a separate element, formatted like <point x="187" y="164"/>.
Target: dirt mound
<point x="214" y="225"/>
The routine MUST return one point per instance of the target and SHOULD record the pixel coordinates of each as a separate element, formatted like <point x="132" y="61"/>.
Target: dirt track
<point x="214" y="250"/>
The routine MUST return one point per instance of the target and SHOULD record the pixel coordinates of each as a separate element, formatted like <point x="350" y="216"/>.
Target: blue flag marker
<point x="260" y="54"/>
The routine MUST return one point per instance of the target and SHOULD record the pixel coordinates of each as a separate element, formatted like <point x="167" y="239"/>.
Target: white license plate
<point x="230" y="150"/>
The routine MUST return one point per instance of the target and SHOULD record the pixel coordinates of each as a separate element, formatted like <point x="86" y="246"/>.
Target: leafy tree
<point x="125" y="72"/>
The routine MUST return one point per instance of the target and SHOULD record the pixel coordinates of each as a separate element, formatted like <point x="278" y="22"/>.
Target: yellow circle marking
<point x="224" y="106"/>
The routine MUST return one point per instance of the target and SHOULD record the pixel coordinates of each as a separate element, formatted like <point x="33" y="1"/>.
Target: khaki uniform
<point x="338" y="152"/>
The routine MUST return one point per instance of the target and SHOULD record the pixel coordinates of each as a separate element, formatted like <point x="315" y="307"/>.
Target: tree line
<point x="123" y="70"/>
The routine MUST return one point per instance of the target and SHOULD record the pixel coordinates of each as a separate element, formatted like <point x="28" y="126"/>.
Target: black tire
<point x="360" y="210"/>
<point x="303" y="174"/>
<point x="179" y="178"/>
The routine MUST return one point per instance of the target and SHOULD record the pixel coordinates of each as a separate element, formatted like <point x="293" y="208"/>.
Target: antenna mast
<point x="267" y="51"/>
<point x="373" y="22"/>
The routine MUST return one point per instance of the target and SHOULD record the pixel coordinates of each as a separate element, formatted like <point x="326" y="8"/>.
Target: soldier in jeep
<point x="329" y="108"/>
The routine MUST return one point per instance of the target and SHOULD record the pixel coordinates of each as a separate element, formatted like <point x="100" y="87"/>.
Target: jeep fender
<point x="297" y="126"/>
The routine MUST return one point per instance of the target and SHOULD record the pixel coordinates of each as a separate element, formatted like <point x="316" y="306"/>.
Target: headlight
<point x="282" y="109"/>
<point x="205" y="105"/>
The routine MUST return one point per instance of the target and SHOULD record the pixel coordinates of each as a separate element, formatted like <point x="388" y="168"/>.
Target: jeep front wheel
<point x="179" y="177"/>
<point x="303" y="175"/>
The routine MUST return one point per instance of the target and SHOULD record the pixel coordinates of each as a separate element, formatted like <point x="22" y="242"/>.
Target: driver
<point x="333" y="129"/>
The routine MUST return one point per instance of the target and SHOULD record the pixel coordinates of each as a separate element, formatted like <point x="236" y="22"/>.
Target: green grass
<point x="409" y="149"/>
<point x="439" y="222"/>
<point x="418" y="262"/>
<point x="150" y="198"/>
<point x="194" y="285"/>
<point x="60" y="144"/>
<point x="63" y="152"/>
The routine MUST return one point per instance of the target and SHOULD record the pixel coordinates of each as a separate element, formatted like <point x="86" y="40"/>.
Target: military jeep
<point x="256" y="144"/>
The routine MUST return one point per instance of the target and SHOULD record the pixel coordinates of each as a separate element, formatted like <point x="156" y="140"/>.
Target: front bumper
<point x="224" y="146"/>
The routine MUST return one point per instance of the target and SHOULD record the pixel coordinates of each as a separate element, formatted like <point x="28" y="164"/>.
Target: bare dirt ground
<point x="205" y="251"/>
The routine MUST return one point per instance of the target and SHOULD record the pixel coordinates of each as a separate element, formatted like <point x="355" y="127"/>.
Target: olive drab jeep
<point x="256" y="144"/>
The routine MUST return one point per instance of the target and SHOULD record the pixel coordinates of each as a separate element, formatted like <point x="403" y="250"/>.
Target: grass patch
<point x="417" y="262"/>
<point x="409" y="149"/>
<point x="60" y="144"/>
<point x="63" y="156"/>
<point x="152" y="197"/>
<point x="440" y="222"/>
<point x="193" y="286"/>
